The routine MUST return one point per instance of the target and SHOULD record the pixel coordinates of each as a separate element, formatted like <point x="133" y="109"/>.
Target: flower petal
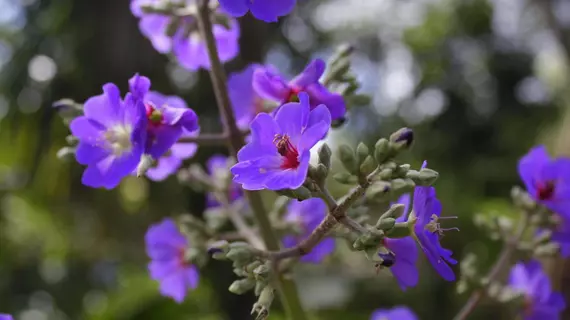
<point x="269" y="10"/>
<point x="270" y="85"/>
<point x="235" y="8"/>
<point x="313" y="71"/>
<point x="106" y="108"/>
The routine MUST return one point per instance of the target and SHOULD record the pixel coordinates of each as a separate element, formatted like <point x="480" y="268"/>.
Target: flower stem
<point x="497" y="269"/>
<point x="287" y="288"/>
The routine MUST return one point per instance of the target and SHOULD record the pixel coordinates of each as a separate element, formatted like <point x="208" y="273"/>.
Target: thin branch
<point x="215" y="139"/>
<point x="497" y="269"/>
<point x="239" y="223"/>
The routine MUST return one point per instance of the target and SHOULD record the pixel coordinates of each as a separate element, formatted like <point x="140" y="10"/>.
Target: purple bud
<point x="388" y="259"/>
<point x="403" y="137"/>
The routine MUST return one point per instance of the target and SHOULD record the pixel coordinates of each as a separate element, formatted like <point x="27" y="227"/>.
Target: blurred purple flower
<point x="112" y="135"/>
<point x="561" y="236"/>
<point x="217" y="167"/>
<point x="187" y="46"/>
<point x="307" y="215"/>
<point x="396" y="313"/>
<point x="266" y="10"/>
<point x="427" y="210"/>
<point x="166" y="247"/>
<point x="540" y="302"/>
<point x="271" y="85"/>
<point x="277" y="157"/>
<point x="547" y="180"/>
<point x="404" y="269"/>
<point x="169" y="119"/>
<point x="245" y="101"/>
<point x="4" y="316"/>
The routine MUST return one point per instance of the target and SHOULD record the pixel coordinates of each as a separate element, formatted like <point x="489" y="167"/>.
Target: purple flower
<point x="540" y="302"/>
<point x="307" y="215"/>
<point x="547" y="180"/>
<point x="112" y="135"/>
<point x="427" y="210"/>
<point x="406" y="252"/>
<point x="217" y="168"/>
<point x="185" y="41"/>
<point x="169" y="119"/>
<point x="396" y="313"/>
<point x="266" y="10"/>
<point x="4" y="316"/>
<point x="277" y="157"/>
<point x="166" y="247"/>
<point x="270" y="85"/>
<point x="245" y="101"/>
<point x="561" y="236"/>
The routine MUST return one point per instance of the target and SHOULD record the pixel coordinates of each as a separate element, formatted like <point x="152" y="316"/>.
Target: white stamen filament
<point x="118" y="139"/>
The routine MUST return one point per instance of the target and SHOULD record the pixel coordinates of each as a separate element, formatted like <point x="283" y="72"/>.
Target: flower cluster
<point x="178" y="33"/>
<point x="115" y="133"/>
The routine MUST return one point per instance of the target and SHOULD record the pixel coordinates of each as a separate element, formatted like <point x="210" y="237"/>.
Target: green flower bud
<point x="242" y="286"/>
<point x="345" y="178"/>
<point x="259" y="286"/>
<point x="369" y="239"/>
<point x="368" y="166"/>
<point x="522" y="199"/>
<point x="239" y="254"/>
<point x="400" y="230"/>
<point x="385" y="224"/>
<point x="361" y="153"/>
<point x="261" y="307"/>
<point x="386" y="174"/>
<point x="395" y="211"/>
<point x="348" y="158"/>
<point x="325" y="155"/>
<point x="401" y="171"/>
<point x="427" y="177"/>
<point x="261" y="272"/>
<point x="382" y="150"/>
<point x="401" y="186"/>
<point x="252" y="266"/>
<point x="378" y="192"/>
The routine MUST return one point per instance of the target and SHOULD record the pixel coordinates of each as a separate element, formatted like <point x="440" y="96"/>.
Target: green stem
<point x="287" y="288"/>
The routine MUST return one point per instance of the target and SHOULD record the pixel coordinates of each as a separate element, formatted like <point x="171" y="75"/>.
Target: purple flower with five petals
<point x="547" y="180"/>
<point x="277" y="157"/>
<point x="406" y="253"/>
<point x="266" y="10"/>
<point x="427" y="213"/>
<point x="540" y="302"/>
<point x="307" y="215"/>
<point x="270" y="85"/>
<point x="166" y="247"/>
<point x="396" y="313"/>
<point x="168" y="119"/>
<point x="185" y="41"/>
<point x="217" y="168"/>
<point x="112" y="135"/>
<point x="4" y="316"/>
<point x="245" y="101"/>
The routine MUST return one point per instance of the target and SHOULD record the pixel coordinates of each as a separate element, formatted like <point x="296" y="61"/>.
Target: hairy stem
<point x="498" y="268"/>
<point x="287" y="288"/>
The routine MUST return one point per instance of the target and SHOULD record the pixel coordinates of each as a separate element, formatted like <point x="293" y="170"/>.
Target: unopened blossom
<point x="266" y="10"/>
<point x="4" y="316"/>
<point x="540" y="302"/>
<point x="307" y="215"/>
<point x="396" y="313"/>
<point x="217" y="167"/>
<point x="405" y="252"/>
<point x="277" y="157"/>
<point x="547" y="180"/>
<point x="168" y="117"/>
<point x="427" y="230"/>
<point x="168" y="120"/>
<point x="180" y="36"/>
<point x="271" y="85"/>
<point x="166" y="247"/>
<point x="245" y="101"/>
<point x="112" y="136"/>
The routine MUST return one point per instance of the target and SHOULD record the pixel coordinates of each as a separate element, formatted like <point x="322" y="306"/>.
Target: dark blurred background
<point x="480" y="82"/>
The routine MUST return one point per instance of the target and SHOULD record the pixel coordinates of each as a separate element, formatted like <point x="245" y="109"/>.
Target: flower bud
<point x="301" y="193"/>
<point x="239" y="254"/>
<point x="402" y="139"/>
<point x="252" y="266"/>
<point x="522" y="199"/>
<point x="395" y="211"/>
<point x="261" y="307"/>
<point x="368" y="165"/>
<point x="382" y="150"/>
<point x="219" y="246"/>
<point x="345" y="178"/>
<point x="378" y="192"/>
<point x="400" y="230"/>
<point x="66" y="152"/>
<point x="242" y="286"/>
<point x="361" y="153"/>
<point x="388" y="259"/>
<point x="427" y="177"/>
<point x="325" y="155"/>
<point x="348" y="158"/>
<point x="385" y="224"/>
<point x="401" y="186"/>
<point x="401" y="171"/>
<point x="261" y="272"/>
<point x="318" y="173"/>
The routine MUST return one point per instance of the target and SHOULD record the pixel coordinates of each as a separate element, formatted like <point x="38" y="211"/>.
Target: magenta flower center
<point x="293" y="95"/>
<point x="545" y="191"/>
<point x="182" y="259"/>
<point x="288" y="151"/>
<point x="154" y="116"/>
